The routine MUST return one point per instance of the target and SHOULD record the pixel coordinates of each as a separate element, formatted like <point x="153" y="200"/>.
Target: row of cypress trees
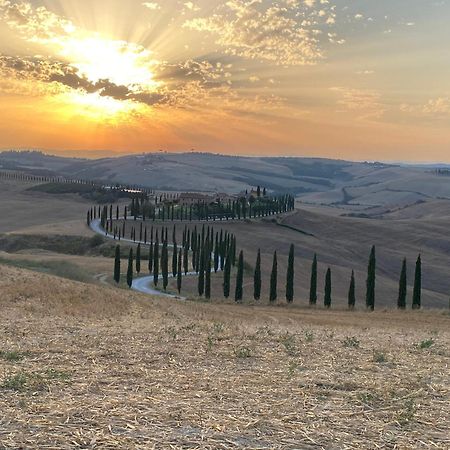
<point x="219" y="253"/>
<point x="202" y="245"/>
<point x="233" y="210"/>
<point x="273" y="287"/>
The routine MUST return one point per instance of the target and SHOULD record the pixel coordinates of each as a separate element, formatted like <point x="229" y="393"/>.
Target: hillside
<point x="103" y="368"/>
<point x="349" y="185"/>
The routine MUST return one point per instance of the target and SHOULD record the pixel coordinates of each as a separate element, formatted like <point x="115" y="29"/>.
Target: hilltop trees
<point x="351" y="292"/>
<point x="402" y="290"/>
<point x="313" y="284"/>
<point x="290" y="276"/>
<point x="257" y="277"/>
<point x="273" y="279"/>
<point x="417" y="293"/>
<point x="370" y="293"/>
<point x="327" y="297"/>
<point x="117" y="265"/>
<point x="130" y="269"/>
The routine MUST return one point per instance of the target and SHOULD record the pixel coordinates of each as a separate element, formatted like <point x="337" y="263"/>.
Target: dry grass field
<point x="84" y="366"/>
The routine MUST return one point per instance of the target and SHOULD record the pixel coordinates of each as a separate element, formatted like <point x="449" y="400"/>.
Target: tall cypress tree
<point x="165" y="264"/>
<point x="174" y="259"/>
<point x="351" y="292"/>
<point x="274" y="279"/>
<point x="313" y="284"/>
<point x="150" y="258"/>
<point x="216" y="253"/>
<point x="290" y="276"/>
<point x="417" y="293"/>
<point x="130" y="269"/>
<point x="239" y="278"/>
<point x="179" y="273"/>
<point x="370" y="293"/>
<point x="257" y="277"/>
<point x="403" y="287"/>
<point x="201" y="273"/>
<point x="208" y="277"/>
<point x="186" y="258"/>
<point x="156" y="261"/>
<point x="117" y="265"/>
<point x="227" y="277"/>
<point x="138" y="258"/>
<point x="327" y="297"/>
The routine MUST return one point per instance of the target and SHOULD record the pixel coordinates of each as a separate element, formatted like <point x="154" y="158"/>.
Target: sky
<point x="353" y="79"/>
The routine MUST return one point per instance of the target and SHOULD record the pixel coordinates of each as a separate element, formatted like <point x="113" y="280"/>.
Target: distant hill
<point x="351" y="185"/>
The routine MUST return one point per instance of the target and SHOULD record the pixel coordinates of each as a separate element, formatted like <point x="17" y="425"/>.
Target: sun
<point x="119" y="62"/>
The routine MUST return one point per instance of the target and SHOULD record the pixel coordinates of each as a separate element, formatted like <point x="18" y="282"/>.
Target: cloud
<point x="365" y="103"/>
<point x="152" y="5"/>
<point x="287" y="33"/>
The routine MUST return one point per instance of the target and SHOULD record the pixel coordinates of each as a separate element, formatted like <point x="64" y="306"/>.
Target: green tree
<point x="417" y="293"/>
<point x="156" y="262"/>
<point x="403" y="287"/>
<point x="150" y="258"/>
<point x="351" y="292"/>
<point x="179" y="273"/>
<point x="117" y="265"/>
<point x="290" y="276"/>
<point x="201" y="273"/>
<point x="370" y="284"/>
<point x="130" y="269"/>
<point x="208" y="277"/>
<point x="227" y="277"/>
<point x="257" y="277"/>
<point x="138" y="259"/>
<point x="327" y="297"/>
<point x="239" y="278"/>
<point x="313" y="284"/>
<point x="174" y="259"/>
<point x="165" y="265"/>
<point x="274" y="279"/>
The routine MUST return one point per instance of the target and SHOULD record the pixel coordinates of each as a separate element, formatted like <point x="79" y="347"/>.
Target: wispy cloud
<point x="287" y="33"/>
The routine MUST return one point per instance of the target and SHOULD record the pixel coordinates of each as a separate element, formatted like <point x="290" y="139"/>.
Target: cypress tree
<point x="257" y="277"/>
<point x="290" y="276"/>
<point x="179" y="274"/>
<point x="327" y="297"/>
<point x="117" y="265"/>
<point x="201" y="273"/>
<point x="165" y="265"/>
<point x="239" y="278"/>
<point x="403" y="287"/>
<point x="156" y="261"/>
<point x="186" y="259"/>
<point x="417" y="293"/>
<point x="208" y="277"/>
<point x="150" y="258"/>
<point x="274" y="279"/>
<point x="351" y="292"/>
<point x="370" y="293"/>
<point x="227" y="277"/>
<point x="174" y="260"/>
<point x="138" y="259"/>
<point x="130" y="269"/>
<point x="216" y="253"/>
<point x="313" y="285"/>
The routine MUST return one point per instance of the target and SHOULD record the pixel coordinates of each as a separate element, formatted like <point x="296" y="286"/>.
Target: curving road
<point x="141" y="284"/>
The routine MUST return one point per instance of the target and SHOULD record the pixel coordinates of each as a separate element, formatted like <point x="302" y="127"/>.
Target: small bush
<point x="426" y="343"/>
<point x="288" y="341"/>
<point x="13" y="356"/>
<point x="379" y="357"/>
<point x="351" y="342"/>
<point x="309" y="336"/>
<point x="243" y="352"/>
